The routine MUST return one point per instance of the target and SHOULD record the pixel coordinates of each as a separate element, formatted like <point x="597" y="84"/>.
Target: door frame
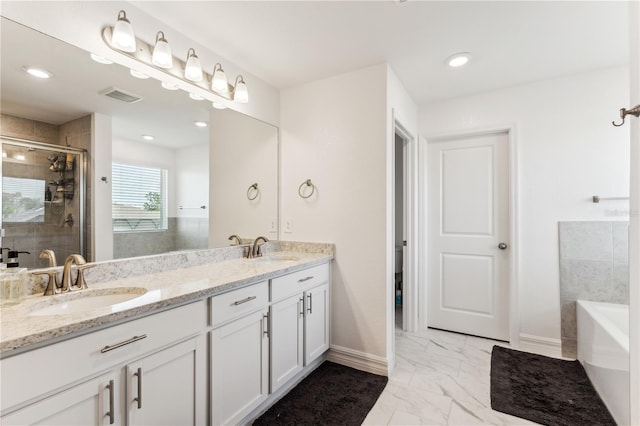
<point x="409" y="277"/>
<point x="514" y="215"/>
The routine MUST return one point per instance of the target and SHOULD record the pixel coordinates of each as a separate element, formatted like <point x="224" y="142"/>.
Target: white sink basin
<point x="86" y="300"/>
<point x="276" y="258"/>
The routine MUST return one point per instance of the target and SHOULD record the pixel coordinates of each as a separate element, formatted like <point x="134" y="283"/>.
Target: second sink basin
<point x="86" y="300"/>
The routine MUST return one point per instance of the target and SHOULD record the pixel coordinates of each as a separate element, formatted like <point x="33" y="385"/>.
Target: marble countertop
<point x="20" y="330"/>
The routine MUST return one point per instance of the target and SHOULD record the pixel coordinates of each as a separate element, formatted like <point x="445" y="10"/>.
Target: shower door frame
<point x="82" y="160"/>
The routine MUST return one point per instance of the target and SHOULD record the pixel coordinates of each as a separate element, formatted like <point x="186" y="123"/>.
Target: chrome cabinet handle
<point x="240" y="302"/>
<point x="502" y="246"/>
<point x="265" y="319"/>
<point x="139" y="398"/>
<point x="301" y="280"/>
<point x="111" y="410"/>
<point x="309" y="296"/>
<point x="121" y="344"/>
<point x="302" y="306"/>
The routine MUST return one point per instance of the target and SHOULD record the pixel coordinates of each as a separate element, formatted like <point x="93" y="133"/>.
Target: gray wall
<point x="594" y="265"/>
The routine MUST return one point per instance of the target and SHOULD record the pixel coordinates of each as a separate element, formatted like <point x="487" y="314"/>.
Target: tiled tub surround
<point x="170" y="280"/>
<point x="594" y="265"/>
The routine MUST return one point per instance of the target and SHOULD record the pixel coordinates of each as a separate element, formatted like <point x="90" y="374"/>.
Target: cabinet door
<point x="316" y="335"/>
<point x="239" y="367"/>
<point x="166" y="388"/>
<point x="93" y="402"/>
<point x="287" y="319"/>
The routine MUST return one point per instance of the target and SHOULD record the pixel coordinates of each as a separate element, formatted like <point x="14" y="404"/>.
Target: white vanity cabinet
<point x="147" y="371"/>
<point x="299" y="322"/>
<point x="239" y="353"/>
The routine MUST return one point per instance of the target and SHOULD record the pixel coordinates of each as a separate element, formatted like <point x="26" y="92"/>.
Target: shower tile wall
<point x="184" y="233"/>
<point x="594" y="265"/>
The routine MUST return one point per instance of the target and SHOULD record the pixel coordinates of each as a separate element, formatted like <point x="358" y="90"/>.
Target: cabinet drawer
<point x="238" y="302"/>
<point x="29" y="375"/>
<point x="296" y="282"/>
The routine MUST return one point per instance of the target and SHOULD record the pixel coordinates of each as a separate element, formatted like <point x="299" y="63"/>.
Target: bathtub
<point x="603" y="350"/>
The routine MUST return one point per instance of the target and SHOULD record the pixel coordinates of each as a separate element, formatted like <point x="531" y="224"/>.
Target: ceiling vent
<point x="121" y="95"/>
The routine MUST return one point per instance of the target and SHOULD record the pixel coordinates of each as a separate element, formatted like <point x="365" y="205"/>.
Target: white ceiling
<point x="288" y="43"/>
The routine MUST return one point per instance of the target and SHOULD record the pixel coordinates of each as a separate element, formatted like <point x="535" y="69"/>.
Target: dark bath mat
<point x="331" y="395"/>
<point x="545" y="390"/>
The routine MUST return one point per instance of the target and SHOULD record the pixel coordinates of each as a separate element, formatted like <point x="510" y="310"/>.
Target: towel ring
<point x="308" y="183"/>
<point x="253" y="189"/>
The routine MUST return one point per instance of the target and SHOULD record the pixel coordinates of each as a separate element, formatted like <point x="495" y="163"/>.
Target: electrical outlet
<point x="274" y="224"/>
<point x="288" y="225"/>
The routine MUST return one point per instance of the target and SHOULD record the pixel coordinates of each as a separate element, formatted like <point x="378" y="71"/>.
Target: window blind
<point x="139" y="197"/>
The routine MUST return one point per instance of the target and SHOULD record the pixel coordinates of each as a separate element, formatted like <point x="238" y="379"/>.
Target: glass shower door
<point x="42" y="201"/>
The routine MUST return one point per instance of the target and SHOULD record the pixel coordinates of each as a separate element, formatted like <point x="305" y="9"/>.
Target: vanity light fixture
<point x="169" y="86"/>
<point x="219" y="81"/>
<point x="138" y="74"/>
<point x="459" y="59"/>
<point x="162" y="56"/>
<point x="193" y="69"/>
<point x="101" y="59"/>
<point x="196" y="97"/>
<point x="148" y="137"/>
<point x="240" y="92"/>
<point x="123" y="37"/>
<point x="200" y="123"/>
<point x="218" y="105"/>
<point x="37" y="72"/>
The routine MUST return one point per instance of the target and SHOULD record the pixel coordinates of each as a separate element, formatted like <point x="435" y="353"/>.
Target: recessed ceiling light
<point x="196" y="97"/>
<point x="138" y="74"/>
<point x="101" y="59"/>
<point x="169" y="86"/>
<point x="19" y="157"/>
<point x="148" y="137"/>
<point x="37" y="72"/>
<point x="217" y="105"/>
<point x="200" y="123"/>
<point x="459" y="59"/>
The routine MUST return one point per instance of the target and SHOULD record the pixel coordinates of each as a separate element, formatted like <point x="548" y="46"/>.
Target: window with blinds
<point x="22" y="199"/>
<point x="139" y="196"/>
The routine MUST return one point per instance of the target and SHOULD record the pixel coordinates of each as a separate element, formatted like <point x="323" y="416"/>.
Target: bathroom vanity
<point x="209" y="344"/>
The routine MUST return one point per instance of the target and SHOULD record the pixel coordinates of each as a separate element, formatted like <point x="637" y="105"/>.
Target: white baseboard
<point x="358" y="360"/>
<point x="541" y="345"/>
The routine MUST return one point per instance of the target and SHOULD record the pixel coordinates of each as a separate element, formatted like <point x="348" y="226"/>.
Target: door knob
<point x="502" y="246"/>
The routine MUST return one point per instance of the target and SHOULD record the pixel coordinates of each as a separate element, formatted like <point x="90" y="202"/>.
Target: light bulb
<point x="193" y="69"/>
<point x="162" y="56"/>
<point x="123" y="37"/>
<point x="219" y="81"/>
<point x="240" y="92"/>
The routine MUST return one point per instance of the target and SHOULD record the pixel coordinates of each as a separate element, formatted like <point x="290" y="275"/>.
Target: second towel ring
<point x="253" y="192"/>
<point x="307" y="183"/>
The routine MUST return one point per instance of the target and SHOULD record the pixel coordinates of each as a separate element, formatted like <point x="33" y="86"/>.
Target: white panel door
<point x="468" y="249"/>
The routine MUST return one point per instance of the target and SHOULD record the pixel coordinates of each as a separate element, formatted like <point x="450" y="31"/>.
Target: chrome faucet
<point x="255" y="251"/>
<point x="66" y="271"/>
<point x="234" y="236"/>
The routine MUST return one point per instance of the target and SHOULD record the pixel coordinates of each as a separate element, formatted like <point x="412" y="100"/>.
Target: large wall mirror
<point x="191" y="187"/>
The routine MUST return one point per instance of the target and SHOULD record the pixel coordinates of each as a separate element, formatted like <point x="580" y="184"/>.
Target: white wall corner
<point x="360" y="360"/>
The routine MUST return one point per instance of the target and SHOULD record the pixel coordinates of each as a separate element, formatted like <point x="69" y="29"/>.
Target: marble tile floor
<point x="441" y="378"/>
